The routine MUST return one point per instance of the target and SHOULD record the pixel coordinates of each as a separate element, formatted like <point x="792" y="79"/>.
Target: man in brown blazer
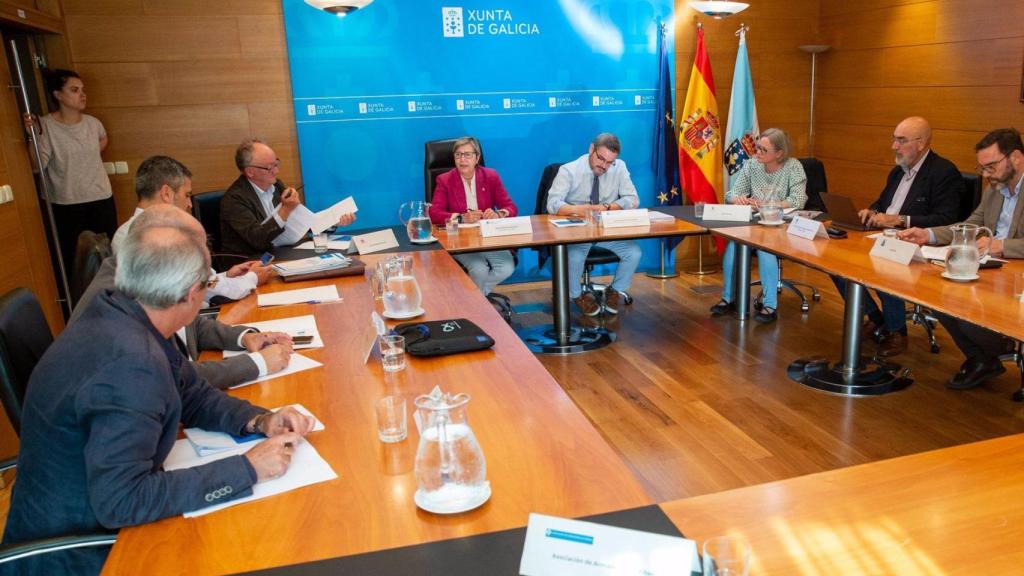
<point x="1001" y="159"/>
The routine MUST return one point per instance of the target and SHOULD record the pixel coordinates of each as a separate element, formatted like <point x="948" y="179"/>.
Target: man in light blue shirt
<point x="597" y="181"/>
<point x="1000" y="158"/>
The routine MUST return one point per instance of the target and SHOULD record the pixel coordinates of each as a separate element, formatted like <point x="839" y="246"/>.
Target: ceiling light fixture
<point x="340" y="8"/>
<point x="718" y="9"/>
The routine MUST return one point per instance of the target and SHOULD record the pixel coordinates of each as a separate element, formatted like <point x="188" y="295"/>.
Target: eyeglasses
<point x="270" y="168"/>
<point x="763" y="150"/>
<point x="466" y="155"/>
<point x="990" y="168"/>
<point x="604" y="161"/>
<point x="212" y="281"/>
<point x="901" y="140"/>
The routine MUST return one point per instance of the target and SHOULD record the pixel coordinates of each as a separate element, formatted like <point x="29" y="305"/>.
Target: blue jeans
<point x="628" y="252"/>
<point x="767" y="269"/>
<point x="893" y="311"/>
<point x="488" y="269"/>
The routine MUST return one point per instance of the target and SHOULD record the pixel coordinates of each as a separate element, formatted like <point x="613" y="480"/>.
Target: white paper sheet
<point x="297" y="363"/>
<point x="314" y="295"/>
<point x="295" y="326"/>
<point x="331" y="245"/>
<point x="300" y="220"/>
<point x="307" y="467"/>
<point x="328" y="217"/>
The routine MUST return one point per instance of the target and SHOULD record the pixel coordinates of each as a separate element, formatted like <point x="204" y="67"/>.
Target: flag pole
<point x="662" y="273"/>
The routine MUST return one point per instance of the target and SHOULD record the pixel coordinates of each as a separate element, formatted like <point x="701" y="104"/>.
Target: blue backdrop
<point x="535" y="81"/>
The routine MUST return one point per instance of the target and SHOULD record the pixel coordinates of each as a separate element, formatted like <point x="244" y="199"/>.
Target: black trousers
<point x="975" y="342"/>
<point x="73" y="219"/>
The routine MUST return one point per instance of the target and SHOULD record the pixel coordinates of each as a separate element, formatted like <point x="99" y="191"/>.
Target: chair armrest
<point x="21" y="550"/>
<point x="8" y="463"/>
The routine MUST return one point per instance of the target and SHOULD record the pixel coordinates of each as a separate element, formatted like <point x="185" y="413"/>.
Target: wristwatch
<point x="607" y="206"/>
<point x="904" y="221"/>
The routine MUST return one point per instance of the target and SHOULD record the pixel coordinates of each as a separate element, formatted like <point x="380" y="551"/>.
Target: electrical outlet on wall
<point x="121" y="167"/>
<point x="108" y="167"/>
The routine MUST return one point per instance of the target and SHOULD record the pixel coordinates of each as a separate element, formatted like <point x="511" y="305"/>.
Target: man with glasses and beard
<point x="597" y="181"/>
<point x="1000" y="158"/>
<point x="923" y="189"/>
<point x="255" y="210"/>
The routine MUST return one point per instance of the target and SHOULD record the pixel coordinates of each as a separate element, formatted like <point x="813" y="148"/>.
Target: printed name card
<point x="506" y="226"/>
<point x="375" y="241"/>
<point x="576" y="548"/>
<point x="727" y="212"/>
<point x="624" y="218"/>
<point x="899" y="251"/>
<point x="807" y="228"/>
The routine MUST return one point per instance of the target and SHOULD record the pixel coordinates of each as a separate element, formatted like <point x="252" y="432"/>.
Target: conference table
<point x="988" y="302"/>
<point x="542" y="453"/>
<point x="561" y="337"/>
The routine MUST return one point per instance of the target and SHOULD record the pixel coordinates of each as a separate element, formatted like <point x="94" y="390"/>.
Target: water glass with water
<point x="392" y="352"/>
<point x="726" y="556"/>
<point x="452" y="226"/>
<point x="391" y="419"/>
<point x="698" y="209"/>
<point x="320" y="242"/>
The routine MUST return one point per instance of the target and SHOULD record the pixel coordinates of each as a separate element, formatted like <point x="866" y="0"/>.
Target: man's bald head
<point x="911" y="140"/>
<point x="169" y="216"/>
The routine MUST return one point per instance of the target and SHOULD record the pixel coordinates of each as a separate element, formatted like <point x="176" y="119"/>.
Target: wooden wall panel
<point x="103" y="7"/>
<point x="956" y="62"/>
<point x="151" y="38"/>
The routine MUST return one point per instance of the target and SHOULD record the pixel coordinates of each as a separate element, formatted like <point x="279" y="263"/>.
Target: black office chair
<point x="92" y="248"/>
<point x="816" y="185"/>
<point x="24" y="337"/>
<point x="438" y="158"/>
<point x="596" y="257"/>
<point x="206" y="209"/>
<point x="970" y="197"/>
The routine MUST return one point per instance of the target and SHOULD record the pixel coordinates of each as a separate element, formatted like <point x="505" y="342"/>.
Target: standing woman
<point x="775" y="170"/>
<point x="470" y="193"/>
<point x="70" y="143"/>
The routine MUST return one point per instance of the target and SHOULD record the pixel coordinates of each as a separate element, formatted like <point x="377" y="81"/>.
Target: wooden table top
<point x="988" y="301"/>
<point x="542" y="454"/>
<point x="950" y="511"/>
<point x="546" y="234"/>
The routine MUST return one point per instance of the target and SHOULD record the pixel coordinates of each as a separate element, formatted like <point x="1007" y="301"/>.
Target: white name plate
<point x="624" y="218"/>
<point x="727" y="212"/>
<point x="807" y="228"/>
<point x="575" y="548"/>
<point x="897" y="250"/>
<point x="506" y="226"/>
<point x="375" y="241"/>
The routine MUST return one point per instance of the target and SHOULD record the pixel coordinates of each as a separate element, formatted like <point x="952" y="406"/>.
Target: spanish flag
<point x="700" y="134"/>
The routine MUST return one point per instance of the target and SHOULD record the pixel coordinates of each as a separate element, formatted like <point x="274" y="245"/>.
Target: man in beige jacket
<point x="1001" y="159"/>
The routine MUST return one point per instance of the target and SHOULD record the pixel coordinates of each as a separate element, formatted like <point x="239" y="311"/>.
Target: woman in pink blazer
<point x="471" y="193"/>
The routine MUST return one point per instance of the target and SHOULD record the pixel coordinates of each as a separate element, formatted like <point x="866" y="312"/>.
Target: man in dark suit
<point x="923" y="189"/>
<point x="104" y="405"/>
<point x="1001" y="158"/>
<point x="255" y="210"/>
<point x="268" y="352"/>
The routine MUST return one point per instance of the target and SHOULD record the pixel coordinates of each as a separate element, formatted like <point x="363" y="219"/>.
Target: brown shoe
<point x="612" y="300"/>
<point x="892" y="344"/>
<point x="587" y="304"/>
<point x="869" y="330"/>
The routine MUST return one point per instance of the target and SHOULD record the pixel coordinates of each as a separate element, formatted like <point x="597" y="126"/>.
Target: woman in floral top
<point x="777" y="175"/>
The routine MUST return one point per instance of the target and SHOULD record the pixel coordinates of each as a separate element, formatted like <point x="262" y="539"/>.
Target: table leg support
<point x="663" y="274"/>
<point x="742" y="281"/>
<point x="854" y="375"/>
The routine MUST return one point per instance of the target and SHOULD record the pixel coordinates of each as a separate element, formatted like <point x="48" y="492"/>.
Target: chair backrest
<point x="206" y="209"/>
<point x="438" y="158"/>
<point x="24" y="337"/>
<point x="971" y="196"/>
<point x="546" y="179"/>
<point x="92" y="248"/>
<point x="817" y="184"/>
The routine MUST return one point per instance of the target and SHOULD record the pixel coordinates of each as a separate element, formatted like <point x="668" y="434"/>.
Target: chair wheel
<point x="935" y="348"/>
<point x="816" y="296"/>
<point x="627" y="298"/>
<point x="804" y="306"/>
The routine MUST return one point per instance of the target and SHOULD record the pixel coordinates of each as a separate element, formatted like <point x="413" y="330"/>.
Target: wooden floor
<point x="696" y="404"/>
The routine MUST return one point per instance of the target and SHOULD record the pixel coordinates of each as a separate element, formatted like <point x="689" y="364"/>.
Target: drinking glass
<point x="698" y="209"/>
<point x="391" y="420"/>
<point x="1018" y="285"/>
<point x="726" y="556"/>
<point x="452" y="227"/>
<point x="320" y="242"/>
<point x="392" y="352"/>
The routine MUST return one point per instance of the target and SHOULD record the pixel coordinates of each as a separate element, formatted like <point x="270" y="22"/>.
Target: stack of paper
<point x="314" y="295"/>
<point x="567" y="222"/>
<point x="205" y="442"/>
<point x="310" y="265"/>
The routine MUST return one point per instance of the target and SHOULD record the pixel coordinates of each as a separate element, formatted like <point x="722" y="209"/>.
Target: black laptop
<point x="842" y="212"/>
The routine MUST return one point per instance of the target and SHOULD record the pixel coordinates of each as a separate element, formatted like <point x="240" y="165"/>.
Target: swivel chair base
<point x="542" y="339"/>
<point x="872" y="377"/>
<point x="918" y="314"/>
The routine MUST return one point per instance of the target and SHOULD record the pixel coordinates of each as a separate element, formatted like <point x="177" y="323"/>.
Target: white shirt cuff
<point x="241" y="346"/>
<point x="261" y="365"/>
<point x="931" y="238"/>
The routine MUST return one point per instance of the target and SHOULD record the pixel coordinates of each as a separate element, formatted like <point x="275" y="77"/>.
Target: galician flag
<point x="700" y="135"/>
<point x="742" y="127"/>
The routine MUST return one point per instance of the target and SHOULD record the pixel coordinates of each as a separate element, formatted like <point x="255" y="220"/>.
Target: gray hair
<point x="156" y="171"/>
<point x="780" y="140"/>
<point x="157" y="266"/>
<point x="607" y="140"/>
<point x="167" y="216"/>
<point x="467" y="140"/>
<point x="243" y="154"/>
